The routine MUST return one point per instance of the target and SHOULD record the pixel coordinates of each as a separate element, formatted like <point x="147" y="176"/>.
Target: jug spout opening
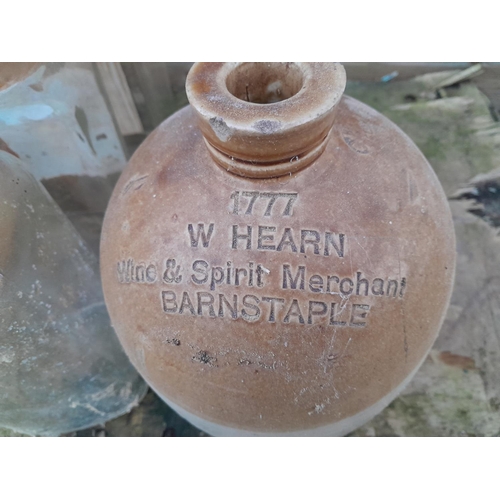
<point x="265" y="83"/>
<point x="263" y="120"/>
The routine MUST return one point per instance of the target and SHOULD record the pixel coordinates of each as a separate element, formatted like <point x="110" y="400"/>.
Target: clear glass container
<point x="61" y="365"/>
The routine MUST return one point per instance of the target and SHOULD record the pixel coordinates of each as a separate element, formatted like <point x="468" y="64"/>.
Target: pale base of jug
<point x="337" y="429"/>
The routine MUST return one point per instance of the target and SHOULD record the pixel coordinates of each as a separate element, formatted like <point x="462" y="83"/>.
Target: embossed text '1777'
<point x="244" y="202"/>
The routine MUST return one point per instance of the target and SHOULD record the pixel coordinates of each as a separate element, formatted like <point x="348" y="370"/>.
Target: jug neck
<point x="263" y="120"/>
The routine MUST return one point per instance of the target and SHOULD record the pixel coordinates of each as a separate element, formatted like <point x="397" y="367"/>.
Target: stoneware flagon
<point x="277" y="258"/>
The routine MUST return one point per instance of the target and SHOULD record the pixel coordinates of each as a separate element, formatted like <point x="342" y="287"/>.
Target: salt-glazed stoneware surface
<point x="277" y="259"/>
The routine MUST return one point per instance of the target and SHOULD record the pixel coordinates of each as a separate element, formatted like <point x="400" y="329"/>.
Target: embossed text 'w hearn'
<point x="271" y="238"/>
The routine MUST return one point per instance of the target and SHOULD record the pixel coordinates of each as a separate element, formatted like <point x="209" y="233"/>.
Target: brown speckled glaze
<point x="352" y="257"/>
